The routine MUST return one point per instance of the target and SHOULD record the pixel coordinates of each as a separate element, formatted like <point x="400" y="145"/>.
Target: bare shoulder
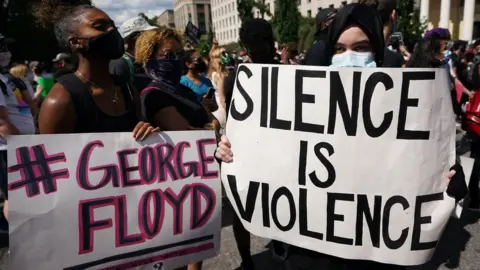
<point x="57" y="114"/>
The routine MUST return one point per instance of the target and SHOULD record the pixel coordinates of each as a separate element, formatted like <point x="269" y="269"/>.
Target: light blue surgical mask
<point x="353" y="59"/>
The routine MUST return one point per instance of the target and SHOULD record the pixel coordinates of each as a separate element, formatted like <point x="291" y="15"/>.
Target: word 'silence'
<point x="350" y="116"/>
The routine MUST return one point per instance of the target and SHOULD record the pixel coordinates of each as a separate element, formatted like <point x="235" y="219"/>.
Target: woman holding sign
<point x="357" y="41"/>
<point x="166" y="102"/>
<point x="90" y="100"/>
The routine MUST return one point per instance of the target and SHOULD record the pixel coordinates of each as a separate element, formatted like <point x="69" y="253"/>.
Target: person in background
<point x="32" y="77"/>
<point x="65" y="64"/>
<point x="388" y="15"/>
<point x="217" y="72"/>
<point x="357" y="41"/>
<point x="315" y="56"/>
<point x="166" y="102"/>
<point x="289" y="53"/>
<point x="90" y="100"/>
<point x="124" y="66"/>
<point x="194" y="78"/>
<point x="20" y="73"/>
<point x="195" y="68"/>
<point x="427" y="54"/>
<point x="15" y="115"/>
<point x="45" y="82"/>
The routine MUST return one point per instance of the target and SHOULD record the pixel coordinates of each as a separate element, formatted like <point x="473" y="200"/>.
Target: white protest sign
<point x="347" y="162"/>
<point x="106" y="201"/>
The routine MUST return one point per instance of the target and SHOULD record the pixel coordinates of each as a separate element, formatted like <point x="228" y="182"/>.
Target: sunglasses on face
<point x="173" y="55"/>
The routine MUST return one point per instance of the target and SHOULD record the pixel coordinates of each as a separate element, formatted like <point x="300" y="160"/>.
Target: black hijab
<point x="364" y="17"/>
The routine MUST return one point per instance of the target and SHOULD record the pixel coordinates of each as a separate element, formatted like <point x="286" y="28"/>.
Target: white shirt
<point x="18" y="110"/>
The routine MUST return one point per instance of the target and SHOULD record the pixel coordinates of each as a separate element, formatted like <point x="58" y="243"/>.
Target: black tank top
<point x="90" y="119"/>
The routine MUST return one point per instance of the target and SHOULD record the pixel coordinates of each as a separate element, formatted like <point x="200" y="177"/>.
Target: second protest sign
<point x="347" y="162"/>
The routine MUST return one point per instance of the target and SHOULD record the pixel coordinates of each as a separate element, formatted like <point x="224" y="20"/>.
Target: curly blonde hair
<point x="148" y="41"/>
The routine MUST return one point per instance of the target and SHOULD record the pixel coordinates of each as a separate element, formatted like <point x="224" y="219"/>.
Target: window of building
<point x="344" y="3"/>
<point x="330" y="6"/>
<point x="309" y="13"/>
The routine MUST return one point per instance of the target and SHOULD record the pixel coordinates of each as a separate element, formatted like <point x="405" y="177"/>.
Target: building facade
<point x="166" y="19"/>
<point x="461" y="17"/>
<point x="196" y="11"/>
<point x="226" y="22"/>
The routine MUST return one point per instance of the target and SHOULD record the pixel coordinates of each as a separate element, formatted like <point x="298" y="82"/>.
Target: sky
<point x="120" y="10"/>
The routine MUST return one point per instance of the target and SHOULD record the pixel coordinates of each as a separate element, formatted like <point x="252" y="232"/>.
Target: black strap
<point x="4" y="88"/>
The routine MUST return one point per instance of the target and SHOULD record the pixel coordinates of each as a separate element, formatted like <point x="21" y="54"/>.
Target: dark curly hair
<point x="424" y="54"/>
<point x="62" y="15"/>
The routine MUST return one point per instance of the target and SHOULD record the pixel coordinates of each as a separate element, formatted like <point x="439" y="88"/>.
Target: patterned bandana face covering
<point x="166" y="72"/>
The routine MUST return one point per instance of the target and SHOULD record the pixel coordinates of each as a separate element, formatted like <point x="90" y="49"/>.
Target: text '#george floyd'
<point x="135" y="204"/>
<point x="332" y="128"/>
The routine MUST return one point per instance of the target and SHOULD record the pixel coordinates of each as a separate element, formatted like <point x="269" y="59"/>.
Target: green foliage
<point x="152" y="21"/>
<point x="245" y="9"/>
<point x="262" y="8"/>
<point x="205" y="44"/>
<point x="306" y="33"/>
<point x="235" y="46"/>
<point x="286" y="20"/>
<point x="409" y="21"/>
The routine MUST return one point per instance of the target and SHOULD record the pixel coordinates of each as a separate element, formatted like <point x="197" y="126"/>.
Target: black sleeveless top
<point x="185" y="101"/>
<point x="90" y="118"/>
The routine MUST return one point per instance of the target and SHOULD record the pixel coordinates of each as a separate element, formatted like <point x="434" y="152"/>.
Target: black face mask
<point x="107" y="45"/>
<point x="201" y="67"/>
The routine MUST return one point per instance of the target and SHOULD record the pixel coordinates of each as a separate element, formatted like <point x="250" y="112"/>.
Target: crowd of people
<point x="139" y="78"/>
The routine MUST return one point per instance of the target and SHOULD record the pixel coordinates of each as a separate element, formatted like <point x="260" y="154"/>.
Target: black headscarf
<point x="364" y="17"/>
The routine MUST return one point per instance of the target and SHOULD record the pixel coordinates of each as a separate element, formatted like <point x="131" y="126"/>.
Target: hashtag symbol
<point x="34" y="166"/>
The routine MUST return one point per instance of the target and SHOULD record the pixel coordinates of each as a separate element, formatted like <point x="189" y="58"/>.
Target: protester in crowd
<point x="91" y="100"/>
<point x="427" y="54"/>
<point x="357" y="41"/>
<point x="20" y="72"/>
<point x="465" y="74"/>
<point x="44" y="81"/>
<point x="456" y="66"/>
<point x="15" y="113"/>
<point x="125" y="66"/>
<point x="217" y="72"/>
<point x="315" y="56"/>
<point x="195" y="68"/>
<point x="443" y="36"/>
<point x="289" y="53"/>
<point x="166" y="102"/>
<point x="388" y="14"/>
<point x="65" y="63"/>
<point x="193" y="78"/>
<point x="31" y="76"/>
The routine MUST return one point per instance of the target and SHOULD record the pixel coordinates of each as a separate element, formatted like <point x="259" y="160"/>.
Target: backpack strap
<point x="3" y="87"/>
